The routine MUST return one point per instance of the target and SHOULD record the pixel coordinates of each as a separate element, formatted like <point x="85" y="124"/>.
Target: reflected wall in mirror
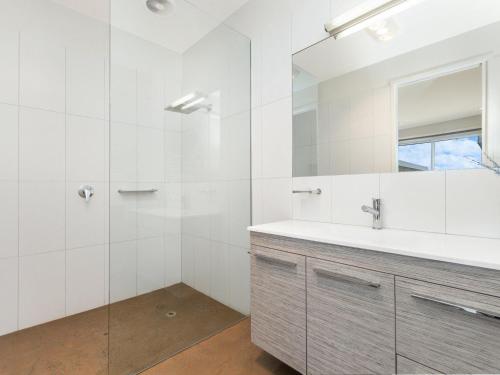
<point x="425" y="98"/>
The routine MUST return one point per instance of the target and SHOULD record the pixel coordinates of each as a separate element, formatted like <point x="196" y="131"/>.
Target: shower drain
<point x="170" y="314"/>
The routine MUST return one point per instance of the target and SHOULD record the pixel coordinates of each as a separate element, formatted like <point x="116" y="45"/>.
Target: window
<point x="440" y="152"/>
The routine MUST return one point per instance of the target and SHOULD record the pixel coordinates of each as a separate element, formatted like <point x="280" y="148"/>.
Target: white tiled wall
<point x="455" y="202"/>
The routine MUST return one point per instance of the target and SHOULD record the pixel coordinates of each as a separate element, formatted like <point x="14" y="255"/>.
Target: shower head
<point x="190" y="103"/>
<point x="160" y="6"/>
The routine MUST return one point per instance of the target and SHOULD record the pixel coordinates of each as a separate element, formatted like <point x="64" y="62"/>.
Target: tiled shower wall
<point x="458" y="202"/>
<point x="54" y="137"/>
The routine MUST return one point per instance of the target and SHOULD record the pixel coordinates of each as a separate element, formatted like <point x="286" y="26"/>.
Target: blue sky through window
<point x="448" y="154"/>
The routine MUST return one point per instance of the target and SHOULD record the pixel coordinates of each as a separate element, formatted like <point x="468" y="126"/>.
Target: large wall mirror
<point x="416" y="91"/>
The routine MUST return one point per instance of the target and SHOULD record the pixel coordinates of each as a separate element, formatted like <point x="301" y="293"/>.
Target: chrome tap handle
<point x="315" y="191"/>
<point x="86" y="192"/>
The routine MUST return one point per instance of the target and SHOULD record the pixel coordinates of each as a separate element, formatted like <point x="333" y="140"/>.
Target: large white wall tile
<point x="42" y="217"/>
<point x="219" y="211"/>
<point x="277" y="139"/>
<point x="42" y="73"/>
<point x="173" y="155"/>
<point x="123" y="95"/>
<point x="8" y="294"/>
<point x="123" y="212"/>
<point x="313" y="207"/>
<point x="150" y="99"/>
<point x="86" y="149"/>
<point x="189" y="244"/>
<point x="41" y="288"/>
<point x="173" y="259"/>
<point x="413" y="201"/>
<point x="9" y="216"/>
<point x="202" y="266"/>
<point x="123" y="270"/>
<point x="86" y="82"/>
<point x="271" y="200"/>
<point x="239" y="212"/>
<point x="9" y="66"/>
<point x="150" y="166"/>
<point x="239" y="292"/>
<point x="150" y="264"/>
<point x="239" y="153"/>
<point x="276" y="55"/>
<point x="219" y="271"/>
<point x="9" y="142"/>
<point x="85" y="279"/>
<point x="151" y="210"/>
<point x="85" y="220"/>
<point x="123" y="152"/>
<point x="42" y="145"/>
<point x="473" y="203"/>
<point x="350" y="192"/>
<point x="256" y="142"/>
<point x="196" y="209"/>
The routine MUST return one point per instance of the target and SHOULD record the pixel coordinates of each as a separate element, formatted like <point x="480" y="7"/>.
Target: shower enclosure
<point x="125" y="172"/>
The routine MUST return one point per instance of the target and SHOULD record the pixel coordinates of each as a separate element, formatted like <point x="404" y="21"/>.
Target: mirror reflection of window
<point x="440" y="121"/>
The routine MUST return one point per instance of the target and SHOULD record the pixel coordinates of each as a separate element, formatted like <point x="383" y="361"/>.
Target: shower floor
<point x="143" y="330"/>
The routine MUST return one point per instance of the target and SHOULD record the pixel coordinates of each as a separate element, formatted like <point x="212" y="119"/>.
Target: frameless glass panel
<point x="180" y="182"/>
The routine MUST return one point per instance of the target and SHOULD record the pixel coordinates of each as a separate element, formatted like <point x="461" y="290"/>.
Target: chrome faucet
<point x="375" y="211"/>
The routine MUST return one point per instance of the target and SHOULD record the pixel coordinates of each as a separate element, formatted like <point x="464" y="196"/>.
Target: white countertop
<point x="471" y="251"/>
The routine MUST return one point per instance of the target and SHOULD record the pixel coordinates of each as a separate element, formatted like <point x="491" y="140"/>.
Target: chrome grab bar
<point x="121" y="191"/>
<point x="315" y="191"/>
<point x="470" y="310"/>
<point x="346" y="278"/>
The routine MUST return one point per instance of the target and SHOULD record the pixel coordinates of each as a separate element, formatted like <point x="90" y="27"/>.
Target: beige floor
<point x="140" y="334"/>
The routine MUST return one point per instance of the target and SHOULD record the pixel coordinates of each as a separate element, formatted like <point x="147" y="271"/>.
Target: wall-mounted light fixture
<point x="365" y="15"/>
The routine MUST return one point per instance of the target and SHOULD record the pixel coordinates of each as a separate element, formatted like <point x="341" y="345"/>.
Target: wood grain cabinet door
<point x="450" y="330"/>
<point x="350" y="320"/>
<point x="278" y="305"/>
<point x="409" y="367"/>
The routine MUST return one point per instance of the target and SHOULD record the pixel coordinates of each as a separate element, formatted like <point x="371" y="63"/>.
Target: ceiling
<point x="426" y="23"/>
<point x="177" y="31"/>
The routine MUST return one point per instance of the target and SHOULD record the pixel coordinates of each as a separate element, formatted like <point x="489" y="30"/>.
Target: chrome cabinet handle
<point x="271" y="259"/>
<point x="346" y="278"/>
<point x="121" y="191"/>
<point x="315" y="191"/>
<point x="470" y="310"/>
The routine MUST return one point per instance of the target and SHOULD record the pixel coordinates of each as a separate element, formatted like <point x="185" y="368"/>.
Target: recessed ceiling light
<point x="384" y="30"/>
<point x="160" y="6"/>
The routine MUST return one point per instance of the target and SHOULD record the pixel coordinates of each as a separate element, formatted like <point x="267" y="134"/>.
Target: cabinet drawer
<point x="278" y="305"/>
<point x="448" y="329"/>
<point x="350" y="320"/>
<point x="407" y="367"/>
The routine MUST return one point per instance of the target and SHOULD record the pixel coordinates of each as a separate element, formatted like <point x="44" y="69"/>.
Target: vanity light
<point x="365" y="15"/>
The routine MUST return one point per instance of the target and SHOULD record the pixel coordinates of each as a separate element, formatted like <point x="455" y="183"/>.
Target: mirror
<point x="418" y="91"/>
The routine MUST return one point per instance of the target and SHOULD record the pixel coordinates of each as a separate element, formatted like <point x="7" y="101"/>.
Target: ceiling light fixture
<point x="160" y="6"/>
<point x="383" y="30"/>
<point x="366" y="14"/>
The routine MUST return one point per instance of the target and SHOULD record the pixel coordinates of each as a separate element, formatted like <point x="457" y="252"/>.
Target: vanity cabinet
<point x="350" y="320"/>
<point x="278" y="304"/>
<point x="367" y="312"/>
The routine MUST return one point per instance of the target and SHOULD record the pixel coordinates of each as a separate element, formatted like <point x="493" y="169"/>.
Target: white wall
<point x="216" y="169"/>
<point x="54" y="247"/>
<point x="458" y="202"/>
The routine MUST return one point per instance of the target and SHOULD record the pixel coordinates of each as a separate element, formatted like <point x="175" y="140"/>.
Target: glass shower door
<point x="179" y="184"/>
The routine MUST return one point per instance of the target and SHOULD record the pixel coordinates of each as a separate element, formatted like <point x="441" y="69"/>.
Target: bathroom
<point x="249" y="187"/>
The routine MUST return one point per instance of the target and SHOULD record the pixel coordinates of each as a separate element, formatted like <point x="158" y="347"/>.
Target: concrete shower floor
<point x="141" y="333"/>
